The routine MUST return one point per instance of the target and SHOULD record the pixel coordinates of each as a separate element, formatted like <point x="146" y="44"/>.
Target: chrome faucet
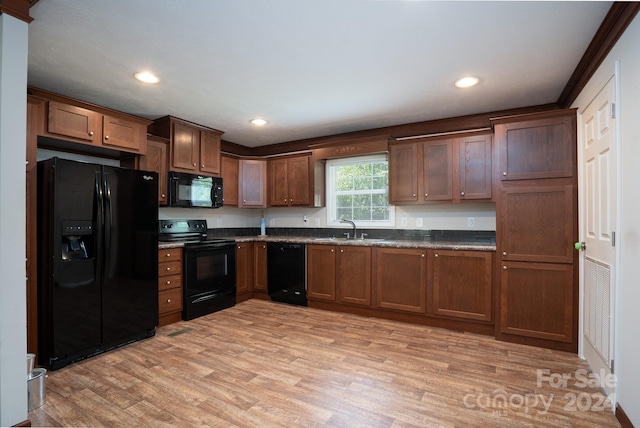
<point x="352" y="224"/>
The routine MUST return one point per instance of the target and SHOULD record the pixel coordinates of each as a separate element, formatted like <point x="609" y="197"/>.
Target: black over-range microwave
<point x="194" y="191"/>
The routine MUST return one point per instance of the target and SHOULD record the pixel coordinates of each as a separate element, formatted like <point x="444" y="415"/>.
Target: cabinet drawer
<point x="169" y="268"/>
<point x="168" y="282"/>
<point x="170" y="301"/>
<point x="169" y="255"/>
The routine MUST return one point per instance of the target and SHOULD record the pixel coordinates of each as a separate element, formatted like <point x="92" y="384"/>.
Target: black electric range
<point x="209" y="267"/>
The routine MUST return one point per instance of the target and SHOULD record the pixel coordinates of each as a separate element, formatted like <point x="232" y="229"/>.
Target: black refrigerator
<point x="97" y="259"/>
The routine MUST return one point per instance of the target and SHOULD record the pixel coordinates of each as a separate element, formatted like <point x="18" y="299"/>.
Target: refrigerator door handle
<point x="108" y="214"/>
<point x="100" y="210"/>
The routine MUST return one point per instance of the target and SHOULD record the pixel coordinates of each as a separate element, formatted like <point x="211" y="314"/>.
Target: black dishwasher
<point x="286" y="273"/>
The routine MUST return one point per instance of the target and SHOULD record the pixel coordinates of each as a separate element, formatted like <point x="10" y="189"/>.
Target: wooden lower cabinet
<point x="169" y="286"/>
<point x="244" y="270"/>
<point x="460" y="284"/>
<point x="537" y="300"/>
<point x="260" y="266"/>
<point x="321" y="272"/>
<point x="353" y="275"/>
<point x="400" y="277"/>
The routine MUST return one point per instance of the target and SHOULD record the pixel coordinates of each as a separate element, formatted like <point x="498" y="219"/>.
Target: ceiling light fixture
<point x="146" y="77"/>
<point x="258" y="122"/>
<point x="467" y="82"/>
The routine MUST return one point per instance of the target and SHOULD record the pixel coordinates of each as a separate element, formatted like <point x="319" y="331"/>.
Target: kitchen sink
<point x="350" y="239"/>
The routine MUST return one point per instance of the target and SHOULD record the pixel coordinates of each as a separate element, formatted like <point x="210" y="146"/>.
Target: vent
<point x="598" y="307"/>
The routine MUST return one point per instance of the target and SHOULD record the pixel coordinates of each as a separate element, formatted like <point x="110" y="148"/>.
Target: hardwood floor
<point x="267" y="364"/>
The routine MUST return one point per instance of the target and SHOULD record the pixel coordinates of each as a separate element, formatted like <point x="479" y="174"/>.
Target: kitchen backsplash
<point x="482" y="216"/>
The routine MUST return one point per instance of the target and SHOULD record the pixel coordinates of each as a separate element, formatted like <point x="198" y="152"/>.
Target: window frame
<point x="331" y="196"/>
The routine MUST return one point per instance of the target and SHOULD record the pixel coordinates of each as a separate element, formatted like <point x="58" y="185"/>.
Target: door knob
<point x="580" y="246"/>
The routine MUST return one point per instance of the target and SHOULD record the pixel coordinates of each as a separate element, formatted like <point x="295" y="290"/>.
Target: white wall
<point x="628" y="335"/>
<point x="13" y="298"/>
<point x="442" y="216"/>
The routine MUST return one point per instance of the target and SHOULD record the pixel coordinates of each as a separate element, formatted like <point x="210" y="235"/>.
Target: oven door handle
<point x="212" y="296"/>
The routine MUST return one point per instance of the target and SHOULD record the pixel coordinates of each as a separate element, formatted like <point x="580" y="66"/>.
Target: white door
<point x="598" y="216"/>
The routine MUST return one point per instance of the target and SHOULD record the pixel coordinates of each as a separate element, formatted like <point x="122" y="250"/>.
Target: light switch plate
<point x="403" y="221"/>
<point x="471" y="222"/>
<point x="419" y="222"/>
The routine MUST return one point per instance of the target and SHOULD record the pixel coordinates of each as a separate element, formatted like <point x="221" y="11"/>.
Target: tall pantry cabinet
<point x="536" y="212"/>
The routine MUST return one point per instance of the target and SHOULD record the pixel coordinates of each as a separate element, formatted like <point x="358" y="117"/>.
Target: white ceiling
<point x="312" y="68"/>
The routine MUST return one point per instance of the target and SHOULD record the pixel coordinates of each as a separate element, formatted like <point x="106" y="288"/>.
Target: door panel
<point x="599" y="202"/>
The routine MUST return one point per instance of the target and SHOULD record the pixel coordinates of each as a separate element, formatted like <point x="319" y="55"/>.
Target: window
<point x="358" y="190"/>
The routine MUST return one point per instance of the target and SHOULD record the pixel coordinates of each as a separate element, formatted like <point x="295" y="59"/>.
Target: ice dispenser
<point x="77" y="240"/>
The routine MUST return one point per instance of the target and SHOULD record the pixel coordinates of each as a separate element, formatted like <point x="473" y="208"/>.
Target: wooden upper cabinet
<point x="156" y="160"/>
<point x="193" y="148"/>
<point x="76" y="122"/>
<point x="438" y="170"/>
<point x="123" y="134"/>
<point x="229" y="172"/>
<point x="252" y="177"/>
<point x="441" y="170"/>
<point x="400" y="279"/>
<point x="538" y="223"/>
<point x="460" y="284"/>
<point x="210" y="152"/>
<point x="475" y="177"/>
<point x="537" y="147"/>
<point x="185" y="144"/>
<point x="290" y="181"/>
<point x="112" y="131"/>
<point x="403" y="173"/>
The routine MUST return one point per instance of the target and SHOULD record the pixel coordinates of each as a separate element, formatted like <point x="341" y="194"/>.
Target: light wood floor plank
<point x="263" y="364"/>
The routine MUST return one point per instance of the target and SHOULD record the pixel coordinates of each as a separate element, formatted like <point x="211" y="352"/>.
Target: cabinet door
<point x="537" y="300"/>
<point x="538" y="223"/>
<point x="540" y="148"/>
<point x="353" y="275"/>
<point x="253" y="189"/>
<point x="299" y="181"/>
<point x="156" y="160"/>
<point x="210" y="153"/>
<point x="244" y="267"/>
<point x="229" y="172"/>
<point x="475" y="167"/>
<point x="403" y="173"/>
<point x="321" y="272"/>
<point x="460" y="285"/>
<point x="278" y="191"/>
<point x="186" y="143"/>
<point x="74" y="122"/>
<point x="438" y="170"/>
<point x="260" y="266"/>
<point x="123" y="135"/>
<point x="400" y="279"/>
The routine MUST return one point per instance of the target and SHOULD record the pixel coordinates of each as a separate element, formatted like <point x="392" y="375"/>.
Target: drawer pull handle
<point x="436" y="255"/>
<point x="168" y="269"/>
<point x="168" y="254"/>
<point x="504" y="267"/>
<point x="90" y="133"/>
<point x="168" y="282"/>
<point x="168" y="300"/>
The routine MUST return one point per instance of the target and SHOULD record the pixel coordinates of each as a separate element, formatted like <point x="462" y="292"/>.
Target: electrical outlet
<point x="419" y="222"/>
<point x="471" y="222"/>
<point x="403" y="221"/>
<point x="305" y="221"/>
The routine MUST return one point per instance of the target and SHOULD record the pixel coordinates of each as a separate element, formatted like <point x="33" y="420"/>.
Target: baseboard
<point x="622" y="417"/>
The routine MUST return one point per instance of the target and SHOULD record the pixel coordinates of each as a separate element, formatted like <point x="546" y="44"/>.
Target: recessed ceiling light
<point x="259" y="122"/>
<point x="146" y="77"/>
<point x="467" y="82"/>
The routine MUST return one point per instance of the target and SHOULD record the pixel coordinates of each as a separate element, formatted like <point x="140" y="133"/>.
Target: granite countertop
<point x="454" y="244"/>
